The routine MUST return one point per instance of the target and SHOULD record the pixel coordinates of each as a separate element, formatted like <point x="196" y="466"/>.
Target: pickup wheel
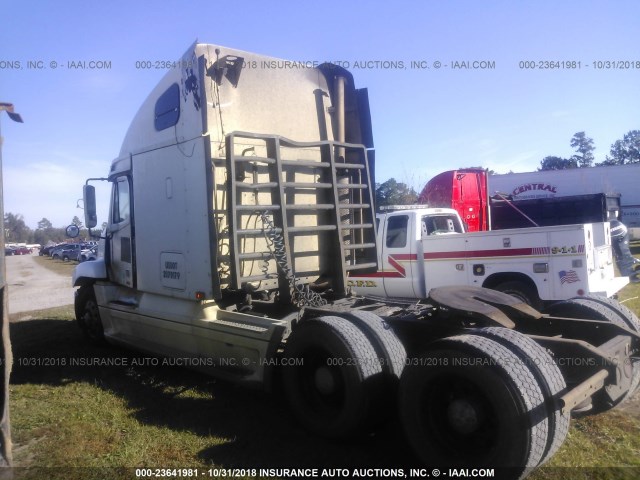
<point x="469" y="401"/>
<point x="333" y="378"/>
<point x="521" y="291"/>
<point x="607" y="310"/>
<point x="547" y="374"/>
<point x="88" y="315"/>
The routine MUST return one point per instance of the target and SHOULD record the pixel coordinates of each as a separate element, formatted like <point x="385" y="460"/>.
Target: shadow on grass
<point x="263" y="433"/>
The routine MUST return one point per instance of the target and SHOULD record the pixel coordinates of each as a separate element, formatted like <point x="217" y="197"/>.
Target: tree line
<point x="393" y="192"/>
<point x="622" y="152"/>
<point x="17" y="231"/>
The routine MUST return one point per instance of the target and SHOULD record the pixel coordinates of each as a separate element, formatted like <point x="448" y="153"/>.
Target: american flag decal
<point x="568" y="276"/>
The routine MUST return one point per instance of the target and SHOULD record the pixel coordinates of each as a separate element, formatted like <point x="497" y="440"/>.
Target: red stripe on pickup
<point x="400" y="271"/>
<point x="403" y="256"/>
<point x="512" y="252"/>
<point x="393" y="262"/>
<point x="378" y="275"/>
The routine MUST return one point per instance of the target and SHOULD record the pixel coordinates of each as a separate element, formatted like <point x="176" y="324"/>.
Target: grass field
<point x="115" y="408"/>
<point x="58" y="266"/>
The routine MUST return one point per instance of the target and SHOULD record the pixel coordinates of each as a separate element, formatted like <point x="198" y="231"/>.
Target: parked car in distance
<point x="70" y="252"/>
<point x="47" y="250"/>
<point x="88" y="254"/>
<point x="56" y="253"/>
<point x="56" y="248"/>
<point x="8" y="251"/>
<point x="21" y="251"/>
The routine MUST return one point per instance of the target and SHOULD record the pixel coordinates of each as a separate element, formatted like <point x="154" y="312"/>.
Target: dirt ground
<point x="33" y="287"/>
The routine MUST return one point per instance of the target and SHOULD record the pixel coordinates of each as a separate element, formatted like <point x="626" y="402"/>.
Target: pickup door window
<point x="397" y="232"/>
<point x="396" y="259"/>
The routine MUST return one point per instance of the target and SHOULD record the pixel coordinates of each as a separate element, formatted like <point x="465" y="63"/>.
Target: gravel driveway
<point x="33" y="287"/>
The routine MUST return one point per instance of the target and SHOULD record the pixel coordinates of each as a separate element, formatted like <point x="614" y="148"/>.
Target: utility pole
<point x="5" y="344"/>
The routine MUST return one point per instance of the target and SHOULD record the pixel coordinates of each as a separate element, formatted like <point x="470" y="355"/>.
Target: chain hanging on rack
<point x="301" y="295"/>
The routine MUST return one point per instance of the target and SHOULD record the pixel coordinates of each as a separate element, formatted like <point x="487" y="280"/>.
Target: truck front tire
<point x="88" y="315"/>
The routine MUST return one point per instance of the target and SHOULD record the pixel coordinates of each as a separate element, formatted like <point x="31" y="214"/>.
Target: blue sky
<point x="425" y="120"/>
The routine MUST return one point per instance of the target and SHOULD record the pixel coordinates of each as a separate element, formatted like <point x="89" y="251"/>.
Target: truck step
<point x="241" y="325"/>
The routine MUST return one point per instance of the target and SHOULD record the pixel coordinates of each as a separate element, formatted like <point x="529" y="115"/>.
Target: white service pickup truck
<point x="423" y="248"/>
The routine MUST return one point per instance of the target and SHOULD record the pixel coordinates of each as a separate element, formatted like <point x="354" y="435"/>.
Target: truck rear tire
<point x="469" y="401"/>
<point x="521" y="291"/>
<point x="633" y="322"/>
<point x="630" y="318"/>
<point x="389" y="348"/>
<point x="389" y="351"/>
<point x="547" y="374"/>
<point x="603" y="309"/>
<point x="332" y="378"/>
<point x="88" y="315"/>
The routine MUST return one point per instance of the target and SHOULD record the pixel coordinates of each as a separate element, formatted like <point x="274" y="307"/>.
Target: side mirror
<point x="90" y="215"/>
<point x="73" y="231"/>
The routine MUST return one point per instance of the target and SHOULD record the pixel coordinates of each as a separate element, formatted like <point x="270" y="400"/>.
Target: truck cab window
<point x="167" y="110"/>
<point x="397" y="231"/>
<point x="121" y="200"/>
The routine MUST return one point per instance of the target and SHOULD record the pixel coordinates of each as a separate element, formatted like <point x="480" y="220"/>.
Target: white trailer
<point x="618" y="179"/>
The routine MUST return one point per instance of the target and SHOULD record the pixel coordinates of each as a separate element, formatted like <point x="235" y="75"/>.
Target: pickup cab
<point x="423" y="248"/>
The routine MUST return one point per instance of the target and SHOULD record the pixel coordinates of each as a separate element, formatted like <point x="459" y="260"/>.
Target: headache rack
<point x="307" y="205"/>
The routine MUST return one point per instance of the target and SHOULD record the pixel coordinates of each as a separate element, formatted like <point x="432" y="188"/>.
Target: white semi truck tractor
<point x="242" y="203"/>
